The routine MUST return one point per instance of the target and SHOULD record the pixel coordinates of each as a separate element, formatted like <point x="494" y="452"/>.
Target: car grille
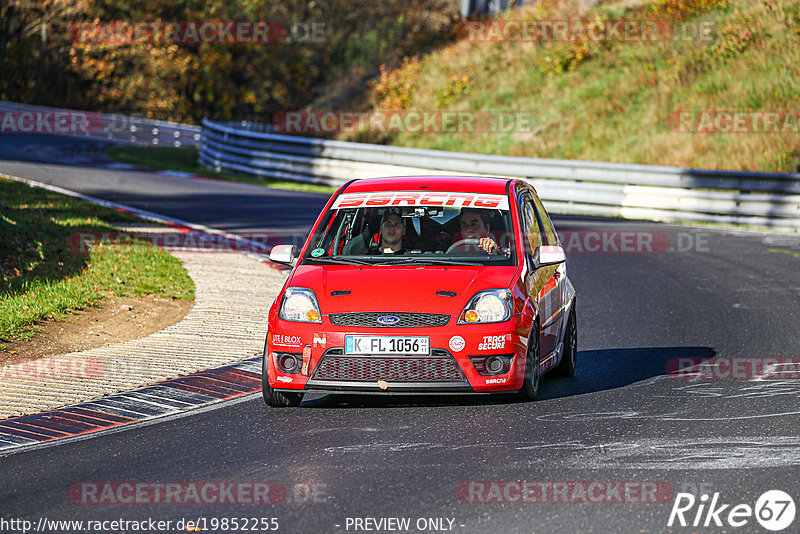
<point x="439" y="367"/>
<point x="406" y="320"/>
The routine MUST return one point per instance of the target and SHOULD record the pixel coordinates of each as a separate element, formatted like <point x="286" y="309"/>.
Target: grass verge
<point x="184" y="159"/>
<point x="45" y="274"/>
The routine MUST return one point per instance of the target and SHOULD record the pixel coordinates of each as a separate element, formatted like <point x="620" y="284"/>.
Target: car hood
<point x="398" y="289"/>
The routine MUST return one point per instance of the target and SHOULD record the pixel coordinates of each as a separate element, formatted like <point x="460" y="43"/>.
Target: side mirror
<point x="285" y="254"/>
<point x="548" y="255"/>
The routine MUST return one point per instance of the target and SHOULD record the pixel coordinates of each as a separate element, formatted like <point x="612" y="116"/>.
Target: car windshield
<point x="412" y="228"/>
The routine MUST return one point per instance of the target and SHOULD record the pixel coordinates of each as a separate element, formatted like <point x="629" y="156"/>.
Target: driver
<point x="475" y="225"/>
<point x="392" y="233"/>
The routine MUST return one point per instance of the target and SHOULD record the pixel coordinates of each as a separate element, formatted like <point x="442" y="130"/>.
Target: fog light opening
<point x="494" y="364"/>
<point x="287" y="362"/>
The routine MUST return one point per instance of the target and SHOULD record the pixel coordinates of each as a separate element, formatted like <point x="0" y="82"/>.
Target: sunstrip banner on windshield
<point x="424" y="198"/>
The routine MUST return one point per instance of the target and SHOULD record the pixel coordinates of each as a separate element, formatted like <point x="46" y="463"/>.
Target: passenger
<point x="474" y="224"/>
<point x="393" y="230"/>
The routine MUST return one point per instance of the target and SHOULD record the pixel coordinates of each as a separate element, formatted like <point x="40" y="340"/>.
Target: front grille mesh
<point x="440" y="367"/>
<point x="370" y="319"/>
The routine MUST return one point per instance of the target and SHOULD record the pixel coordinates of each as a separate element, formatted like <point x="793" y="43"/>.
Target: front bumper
<point x="447" y="370"/>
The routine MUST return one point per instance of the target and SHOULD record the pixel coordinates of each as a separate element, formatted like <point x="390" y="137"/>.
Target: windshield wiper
<point x="341" y="261"/>
<point x="412" y="259"/>
<point x="390" y="260"/>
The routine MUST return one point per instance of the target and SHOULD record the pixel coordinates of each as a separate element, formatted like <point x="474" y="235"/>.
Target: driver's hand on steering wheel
<point x="488" y="244"/>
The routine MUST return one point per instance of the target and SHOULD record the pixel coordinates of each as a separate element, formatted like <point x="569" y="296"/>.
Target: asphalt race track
<point x="716" y="293"/>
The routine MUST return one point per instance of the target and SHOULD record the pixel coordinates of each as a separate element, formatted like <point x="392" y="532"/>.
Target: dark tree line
<point x="44" y="60"/>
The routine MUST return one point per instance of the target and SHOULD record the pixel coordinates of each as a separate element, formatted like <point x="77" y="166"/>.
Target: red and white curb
<point x="151" y="402"/>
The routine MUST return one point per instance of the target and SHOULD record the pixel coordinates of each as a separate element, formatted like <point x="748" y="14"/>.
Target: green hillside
<point x="616" y="100"/>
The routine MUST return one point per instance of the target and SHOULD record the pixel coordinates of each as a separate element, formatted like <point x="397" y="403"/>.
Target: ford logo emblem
<point x="388" y="319"/>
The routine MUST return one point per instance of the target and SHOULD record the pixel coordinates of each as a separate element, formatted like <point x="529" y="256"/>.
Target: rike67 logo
<point x="774" y="510"/>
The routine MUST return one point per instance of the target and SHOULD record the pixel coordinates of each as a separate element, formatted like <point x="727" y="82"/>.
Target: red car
<point x="422" y="285"/>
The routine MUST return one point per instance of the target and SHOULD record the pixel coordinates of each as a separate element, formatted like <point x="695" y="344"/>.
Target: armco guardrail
<point x="114" y="127"/>
<point x="569" y="187"/>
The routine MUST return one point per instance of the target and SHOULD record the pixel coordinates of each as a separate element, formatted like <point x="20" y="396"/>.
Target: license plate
<point x="416" y="345"/>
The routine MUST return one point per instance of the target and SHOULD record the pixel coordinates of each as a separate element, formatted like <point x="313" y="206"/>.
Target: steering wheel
<point x="463" y="242"/>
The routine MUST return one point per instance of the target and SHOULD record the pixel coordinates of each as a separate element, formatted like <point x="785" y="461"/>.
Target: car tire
<point x="276" y="399"/>
<point x="566" y="367"/>
<point x="530" y="387"/>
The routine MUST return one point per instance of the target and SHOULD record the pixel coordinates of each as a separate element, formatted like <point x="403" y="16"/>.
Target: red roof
<point x="461" y="184"/>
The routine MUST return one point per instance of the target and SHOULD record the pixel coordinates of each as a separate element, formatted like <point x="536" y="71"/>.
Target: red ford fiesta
<point x="422" y="285"/>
